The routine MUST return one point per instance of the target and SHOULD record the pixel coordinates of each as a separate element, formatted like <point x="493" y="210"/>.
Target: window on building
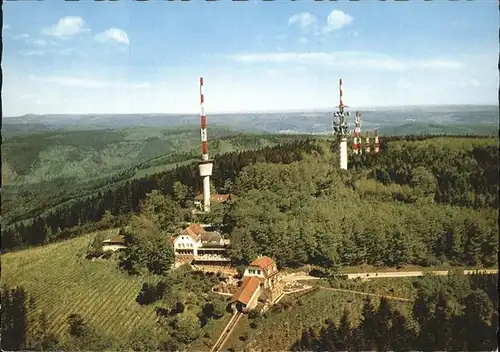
<point x="258" y="272"/>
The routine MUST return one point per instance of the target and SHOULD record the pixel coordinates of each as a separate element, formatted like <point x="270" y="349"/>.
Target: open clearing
<point x="62" y="282"/>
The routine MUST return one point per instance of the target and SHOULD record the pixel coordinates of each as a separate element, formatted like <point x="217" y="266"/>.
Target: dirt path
<point x="401" y="299"/>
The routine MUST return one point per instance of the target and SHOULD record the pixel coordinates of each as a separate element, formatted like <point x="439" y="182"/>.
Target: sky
<point x="147" y="57"/>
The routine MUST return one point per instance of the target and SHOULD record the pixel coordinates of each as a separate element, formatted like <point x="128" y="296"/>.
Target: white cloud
<point x="20" y="36"/>
<point x="347" y="59"/>
<point x="90" y="83"/>
<point x="42" y="43"/>
<point x="114" y="35"/>
<point x="302" y="40"/>
<point x="38" y="52"/>
<point x="5" y="26"/>
<point x="309" y="24"/>
<point x="440" y="64"/>
<point x="51" y="48"/>
<point x="475" y="82"/>
<point x="305" y="20"/>
<point x="66" y="27"/>
<point x="336" y="20"/>
<point x="404" y="83"/>
<point x="466" y="83"/>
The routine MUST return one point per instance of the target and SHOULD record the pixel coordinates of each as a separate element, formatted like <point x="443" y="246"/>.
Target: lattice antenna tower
<point x="340" y="127"/>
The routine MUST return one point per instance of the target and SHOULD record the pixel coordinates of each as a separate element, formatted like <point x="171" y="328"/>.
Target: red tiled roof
<point x="194" y="231"/>
<point x="247" y="289"/>
<point x="118" y="239"/>
<point x="262" y="262"/>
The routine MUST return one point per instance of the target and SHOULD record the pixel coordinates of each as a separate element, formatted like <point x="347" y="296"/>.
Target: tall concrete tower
<point x="340" y="130"/>
<point x="205" y="166"/>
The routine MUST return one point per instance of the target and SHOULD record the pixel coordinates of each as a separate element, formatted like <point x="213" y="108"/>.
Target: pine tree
<point x="368" y="324"/>
<point x="477" y="319"/>
<point x="401" y="337"/>
<point x="328" y="337"/>
<point x="442" y="323"/>
<point x="356" y="342"/>
<point x="383" y="318"/>
<point x="14" y="319"/>
<point x="344" y="332"/>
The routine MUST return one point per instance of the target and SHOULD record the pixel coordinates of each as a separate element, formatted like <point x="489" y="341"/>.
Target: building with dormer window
<point x="261" y="281"/>
<point x="198" y="246"/>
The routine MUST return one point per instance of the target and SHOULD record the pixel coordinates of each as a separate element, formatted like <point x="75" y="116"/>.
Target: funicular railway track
<point x="227" y="332"/>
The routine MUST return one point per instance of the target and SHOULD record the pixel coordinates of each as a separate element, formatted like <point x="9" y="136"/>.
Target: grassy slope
<point x="62" y="282"/>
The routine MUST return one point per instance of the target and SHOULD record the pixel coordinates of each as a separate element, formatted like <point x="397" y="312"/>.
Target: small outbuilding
<point x="114" y="243"/>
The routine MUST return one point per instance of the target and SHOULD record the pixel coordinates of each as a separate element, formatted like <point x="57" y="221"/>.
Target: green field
<point x="63" y="282"/>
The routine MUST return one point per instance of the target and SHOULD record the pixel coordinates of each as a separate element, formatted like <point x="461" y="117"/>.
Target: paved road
<point x="301" y="276"/>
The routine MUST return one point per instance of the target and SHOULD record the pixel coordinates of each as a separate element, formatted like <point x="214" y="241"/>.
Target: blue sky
<point x="130" y="57"/>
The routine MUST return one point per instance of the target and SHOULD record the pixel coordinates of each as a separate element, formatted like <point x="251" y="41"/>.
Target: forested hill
<point x="83" y="154"/>
<point x="45" y="170"/>
<point x="408" y="204"/>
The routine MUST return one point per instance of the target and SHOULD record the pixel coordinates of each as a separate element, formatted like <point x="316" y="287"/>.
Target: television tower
<point x="358" y="131"/>
<point x="340" y="129"/>
<point x="205" y="166"/>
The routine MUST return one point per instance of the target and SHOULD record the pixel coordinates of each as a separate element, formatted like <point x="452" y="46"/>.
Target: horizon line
<point x="324" y="109"/>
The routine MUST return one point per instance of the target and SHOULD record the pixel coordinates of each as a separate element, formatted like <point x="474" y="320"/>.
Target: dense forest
<point x="72" y="216"/>
<point x="307" y="212"/>
<point x="453" y="313"/>
<point x="295" y="205"/>
<point x="408" y="204"/>
<point x="43" y="170"/>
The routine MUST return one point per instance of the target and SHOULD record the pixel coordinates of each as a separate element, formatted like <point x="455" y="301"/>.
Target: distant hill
<point x="18" y="129"/>
<point x="289" y="122"/>
<point x="91" y="153"/>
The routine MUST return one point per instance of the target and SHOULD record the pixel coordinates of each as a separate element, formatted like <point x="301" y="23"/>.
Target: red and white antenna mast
<point x="204" y="141"/>
<point x="376" y="142"/>
<point x="354" y="143"/>
<point x="358" y="131"/>
<point x="367" y="142"/>
<point x="205" y="166"/>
